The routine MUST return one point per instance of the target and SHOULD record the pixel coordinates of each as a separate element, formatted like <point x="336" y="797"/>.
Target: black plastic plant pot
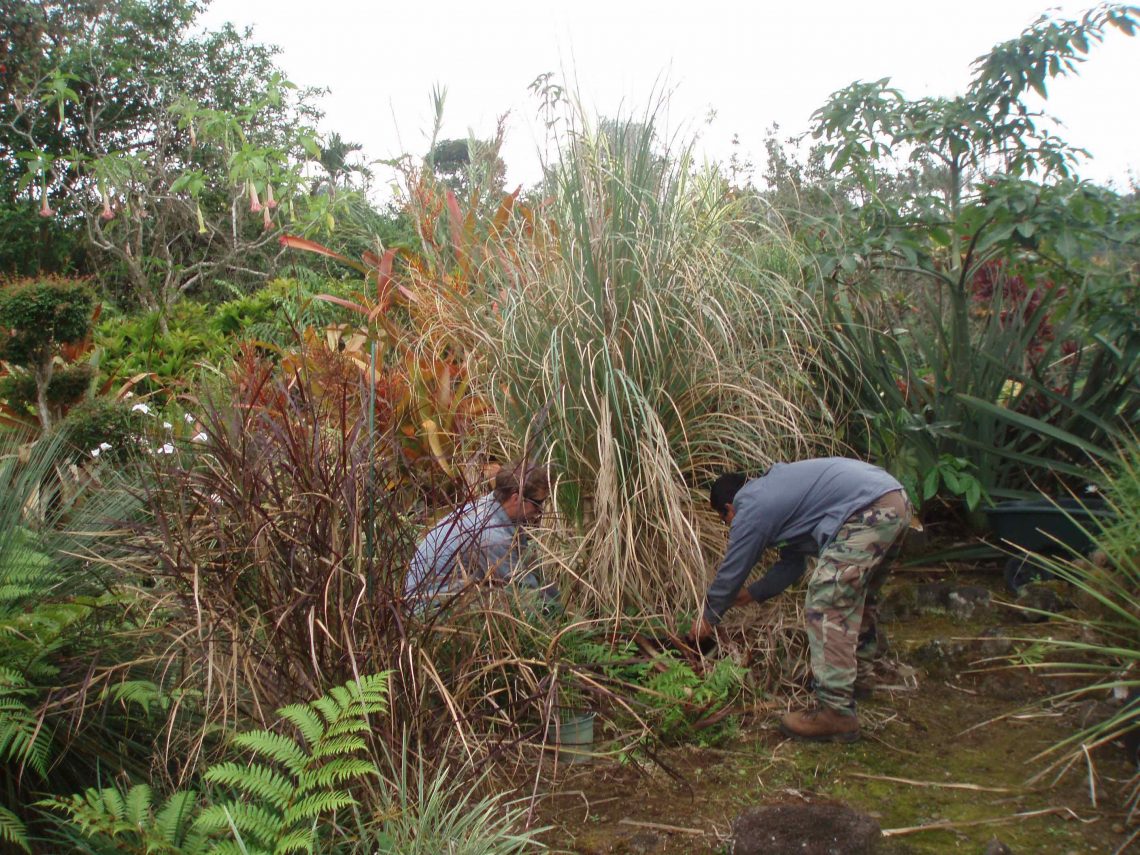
<point x="1045" y="527"/>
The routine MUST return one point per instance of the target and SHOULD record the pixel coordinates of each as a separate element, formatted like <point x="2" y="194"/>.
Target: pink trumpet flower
<point x="254" y="202"/>
<point x="266" y="220"/>
<point x="107" y="214"/>
<point x="45" y="208"/>
<point x="270" y="202"/>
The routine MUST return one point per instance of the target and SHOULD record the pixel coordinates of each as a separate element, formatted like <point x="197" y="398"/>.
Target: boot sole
<point x="829" y="737"/>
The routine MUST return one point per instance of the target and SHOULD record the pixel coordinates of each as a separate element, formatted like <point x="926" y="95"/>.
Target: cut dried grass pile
<point x="771" y="641"/>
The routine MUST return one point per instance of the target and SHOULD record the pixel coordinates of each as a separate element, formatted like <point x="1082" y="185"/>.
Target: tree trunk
<point x="43" y="378"/>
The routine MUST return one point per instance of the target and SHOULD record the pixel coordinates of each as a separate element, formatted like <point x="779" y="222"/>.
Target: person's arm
<point x="747" y="541"/>
<point x="780" y="576"/>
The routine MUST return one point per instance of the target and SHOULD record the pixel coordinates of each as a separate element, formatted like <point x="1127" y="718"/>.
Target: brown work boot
<point x="821" y="724"/>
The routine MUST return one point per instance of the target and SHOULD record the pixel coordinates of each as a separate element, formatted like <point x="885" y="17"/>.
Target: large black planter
<point x="1047" y="527"/>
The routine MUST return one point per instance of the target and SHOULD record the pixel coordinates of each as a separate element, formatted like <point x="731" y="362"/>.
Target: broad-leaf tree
<point x="170" y="149"/>
<point x="975" y="205"/>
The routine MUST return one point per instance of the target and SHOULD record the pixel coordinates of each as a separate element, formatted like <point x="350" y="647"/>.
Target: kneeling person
<point x="484" y="539"/>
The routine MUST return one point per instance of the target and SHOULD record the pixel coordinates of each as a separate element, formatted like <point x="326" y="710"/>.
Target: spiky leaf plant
<point x="633" y="308"/>
<point x="440" y="810"/>
<point x="55" y="623"/>
<point x="1102" y="654"/>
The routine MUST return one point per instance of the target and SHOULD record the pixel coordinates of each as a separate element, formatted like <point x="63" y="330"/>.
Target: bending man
<point x="846" y="512"/>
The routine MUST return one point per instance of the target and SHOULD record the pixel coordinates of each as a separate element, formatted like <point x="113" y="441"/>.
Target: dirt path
<point x="944" y="747"/>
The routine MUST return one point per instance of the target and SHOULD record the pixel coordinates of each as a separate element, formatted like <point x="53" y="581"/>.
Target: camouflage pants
<point x="841" y="598"/>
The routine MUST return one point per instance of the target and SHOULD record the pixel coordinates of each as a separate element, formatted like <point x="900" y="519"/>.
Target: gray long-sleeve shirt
<point x="469" y="543"/>
<point x="801" y="504"/>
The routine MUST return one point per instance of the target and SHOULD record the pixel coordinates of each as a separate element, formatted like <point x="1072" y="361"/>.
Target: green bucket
<point x="572" y="735"/>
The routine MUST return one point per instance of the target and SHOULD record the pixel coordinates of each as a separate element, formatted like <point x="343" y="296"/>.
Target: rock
<point x="996" y="847"/>
<point x="994" y="642"/>
<point x="965" y="601"/>
<point x="804" y="829"/>
<point x="946" y="657"/>
<point x="960" y="601"/>
<point x="1038" y="598"/>
<point x="1011" y="684"/>
<point x="644" y="842"/>
<point x="933" y="596"/>
<point x="900" y="602"/>
<point x="937" y="657"/>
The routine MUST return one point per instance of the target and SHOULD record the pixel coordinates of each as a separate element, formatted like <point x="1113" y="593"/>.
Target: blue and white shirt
<point x="477" y="539"/>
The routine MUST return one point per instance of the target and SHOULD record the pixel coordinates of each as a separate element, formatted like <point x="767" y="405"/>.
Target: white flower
<point x="188" y="418"/>
<point x="167" y="448"/>
<point x="95" y="452"/>
<point x="168" y="425"/>
<point x="141" y="408"/>
<point x="104" y="446"/>
<point x="201" y="436"/>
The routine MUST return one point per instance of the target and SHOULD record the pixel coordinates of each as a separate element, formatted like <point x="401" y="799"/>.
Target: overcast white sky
<point x="748" y="63"/>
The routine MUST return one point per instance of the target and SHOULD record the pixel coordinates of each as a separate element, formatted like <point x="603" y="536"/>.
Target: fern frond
<point x="346" y="726"/>
<point x="338" y="746"/>
<point x="174" y="820"/>
<point x="302" y="840"/>
<point x="329" y="708"/>
<point x="93" y="811"/>
<point x="350" y="702"/>
<point x="139" y="802"/>
<point x="370" y="695"/>
<point x="12" y="682"/>
<point x="112" y="803"/>
<point x="143" y="693"/>
<point x="315" y="804"/>
<point x="305" y="720"/>
<point x="337" y="772"/>
<point x="370" y="691"/>
<point x="22" y="740"/>
<point x="11" y="592"/>
<point x="256" y="780"/>
<point x="12" y="830"/>
<point x="262" y="826"/>
<point x="274" y="746"/>
<point x="231" y="847"/>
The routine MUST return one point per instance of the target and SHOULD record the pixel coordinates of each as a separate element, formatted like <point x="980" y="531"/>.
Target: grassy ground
<point x="943" y="748"/>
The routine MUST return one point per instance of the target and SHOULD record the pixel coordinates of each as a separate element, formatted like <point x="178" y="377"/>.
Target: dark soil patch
<point x="804" y="829"/>
<point x="956" y="750"/>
